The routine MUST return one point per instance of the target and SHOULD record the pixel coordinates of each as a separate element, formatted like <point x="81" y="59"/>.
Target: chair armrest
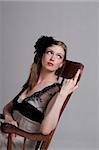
<point x="10" y="129"/>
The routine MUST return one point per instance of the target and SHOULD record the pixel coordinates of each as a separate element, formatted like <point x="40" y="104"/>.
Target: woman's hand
<point x="69" y="85"/>
<point x="9" y="119"/>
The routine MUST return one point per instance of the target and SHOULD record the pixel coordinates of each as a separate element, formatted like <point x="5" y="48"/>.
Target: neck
<point x="47" y="76"/>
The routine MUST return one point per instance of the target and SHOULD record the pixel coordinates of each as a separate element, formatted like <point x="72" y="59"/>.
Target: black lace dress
<point x="29" y="112"/>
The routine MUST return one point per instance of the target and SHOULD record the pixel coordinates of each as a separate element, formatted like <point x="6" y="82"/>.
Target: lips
<point x="50" y="64"/>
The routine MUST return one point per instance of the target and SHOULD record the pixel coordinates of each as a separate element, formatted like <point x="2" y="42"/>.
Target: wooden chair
<point x="69" y="70"/>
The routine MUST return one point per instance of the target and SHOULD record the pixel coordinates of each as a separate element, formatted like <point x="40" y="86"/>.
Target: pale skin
<point x="53" y="55"/>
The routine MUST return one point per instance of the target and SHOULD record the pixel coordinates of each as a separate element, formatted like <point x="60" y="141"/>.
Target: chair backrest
<point x="68" y="71"/>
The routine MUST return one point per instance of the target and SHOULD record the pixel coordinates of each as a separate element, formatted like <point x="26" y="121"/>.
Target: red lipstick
<point x="50" y="64"/>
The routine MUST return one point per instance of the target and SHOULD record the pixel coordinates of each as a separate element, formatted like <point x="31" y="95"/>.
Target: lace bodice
<point x="33" y="107"/>
<point x="41" y="98"/>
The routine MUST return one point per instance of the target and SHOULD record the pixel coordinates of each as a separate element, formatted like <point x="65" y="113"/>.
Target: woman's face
<point x="53" y="58"/>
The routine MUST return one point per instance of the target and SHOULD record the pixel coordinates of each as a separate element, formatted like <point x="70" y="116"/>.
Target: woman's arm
<point x="51" y="114"/>
<point x="7" y="112"/>
<point x="54" y="107"/>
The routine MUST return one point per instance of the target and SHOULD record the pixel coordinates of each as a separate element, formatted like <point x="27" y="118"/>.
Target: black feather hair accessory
<point x="40" y="46"/>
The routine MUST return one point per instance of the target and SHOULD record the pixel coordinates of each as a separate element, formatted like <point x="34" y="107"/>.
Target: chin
<point x="50" y="69"/>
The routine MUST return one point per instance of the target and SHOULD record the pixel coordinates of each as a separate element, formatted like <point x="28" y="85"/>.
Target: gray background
<point x="75" y="23"/>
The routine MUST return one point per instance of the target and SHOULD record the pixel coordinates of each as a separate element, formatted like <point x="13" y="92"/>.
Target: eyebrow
<point x="57" y="53"/>
<point x="60" y="54"/>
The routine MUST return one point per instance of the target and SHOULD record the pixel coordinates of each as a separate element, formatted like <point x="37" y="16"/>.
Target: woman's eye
<point x="49" y="52"/>
<point x="59" y="56"/>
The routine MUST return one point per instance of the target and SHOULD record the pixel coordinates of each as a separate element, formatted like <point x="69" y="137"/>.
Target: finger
<point x="12" y="122"/>
<point x="65" y="81"/>
<point x="76" y="76"/>
<point x="75" y="88"/>
<point x="16" y="124"/>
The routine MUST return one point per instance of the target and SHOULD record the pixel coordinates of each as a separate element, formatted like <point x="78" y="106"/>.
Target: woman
<point x="37" y="107"/>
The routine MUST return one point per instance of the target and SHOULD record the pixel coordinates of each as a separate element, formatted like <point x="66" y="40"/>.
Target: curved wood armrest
<point x="9" y="128"/>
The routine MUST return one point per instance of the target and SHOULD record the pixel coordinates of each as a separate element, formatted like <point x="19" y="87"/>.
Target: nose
<point x="52" y="57"/>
